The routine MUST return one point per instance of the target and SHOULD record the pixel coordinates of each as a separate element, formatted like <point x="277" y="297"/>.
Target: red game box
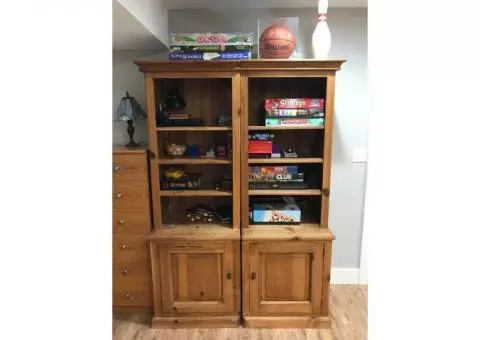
<point x="294" y="103"/>
<point x="260" y="146"/>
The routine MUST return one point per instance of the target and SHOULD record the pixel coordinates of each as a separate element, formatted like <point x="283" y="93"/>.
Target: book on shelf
<point x="179" y="116"/>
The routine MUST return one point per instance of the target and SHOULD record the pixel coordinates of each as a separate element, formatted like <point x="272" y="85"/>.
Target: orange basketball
<point x="277" y="42"/>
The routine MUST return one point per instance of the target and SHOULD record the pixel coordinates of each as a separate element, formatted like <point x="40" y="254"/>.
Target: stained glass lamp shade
<point x="129" y="110"/>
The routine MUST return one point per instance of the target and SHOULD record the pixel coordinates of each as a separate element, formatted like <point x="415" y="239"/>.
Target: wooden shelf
<point x="298" y="160"/>
<point x="260" y="127"/>
<point x="193" y="160"/>
<point x="193" y="128"/>
<point x="176" y="193"/>
<point x="194" y="232"/>
<point x="286" y="192"/>
<point x="287" y="233"/>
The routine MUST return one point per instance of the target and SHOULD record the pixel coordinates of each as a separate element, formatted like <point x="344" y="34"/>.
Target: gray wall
<point x="349" y="40"/>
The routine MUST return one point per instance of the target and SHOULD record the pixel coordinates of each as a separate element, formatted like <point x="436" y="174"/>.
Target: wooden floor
<point x="349" y="314"/>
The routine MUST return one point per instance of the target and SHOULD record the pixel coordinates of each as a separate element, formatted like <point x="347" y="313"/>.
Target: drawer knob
<point x="254" y="276"/>
<point x="121" y="221"/>
<point x="116" y="168"/>
<point x="127" y="295"/>
<point x="229" y="276"/>
<point x="124" y="272"/>
<point x="123" y="246"/>
<point x="119" y="195"/>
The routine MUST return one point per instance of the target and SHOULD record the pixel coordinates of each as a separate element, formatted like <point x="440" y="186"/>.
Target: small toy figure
<point x="289" y="153"/>
<point x="210" y="153"/>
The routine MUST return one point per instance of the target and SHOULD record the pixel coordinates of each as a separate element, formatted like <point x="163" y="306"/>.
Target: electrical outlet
<point x="360" y="155"/>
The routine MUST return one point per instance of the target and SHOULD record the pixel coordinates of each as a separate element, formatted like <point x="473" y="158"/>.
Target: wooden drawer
<point x="134" y="200"/>
<point x="132" y="275"/>
<point x="132" y="283"/>
<point x="131" y="186"/>
<point x="131" y="221"/>
<point x="130" y="167"/>
<point x="125" y="297"/>
<point x="130" y="248"/>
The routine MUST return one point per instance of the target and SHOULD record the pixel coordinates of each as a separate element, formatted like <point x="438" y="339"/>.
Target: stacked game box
<point x="210" y="46"/>
<point x="279" y="210"/>
<point x="294" y="111"/>
<point x="276" y="177"/>
<point x="260" y="145"/>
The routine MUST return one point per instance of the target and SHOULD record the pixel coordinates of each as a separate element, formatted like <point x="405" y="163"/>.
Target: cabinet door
<point x="197" y="278"/>
<point x="286" y="278"/>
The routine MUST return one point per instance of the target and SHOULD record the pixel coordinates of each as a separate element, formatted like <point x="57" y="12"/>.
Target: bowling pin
<point x="321" y="38"/>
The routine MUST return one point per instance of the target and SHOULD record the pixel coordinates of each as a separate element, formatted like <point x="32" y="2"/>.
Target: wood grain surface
<point x="349" y="322"/>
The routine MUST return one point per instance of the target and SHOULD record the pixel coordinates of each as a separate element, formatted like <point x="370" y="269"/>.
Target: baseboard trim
<point x="345" y="276"/>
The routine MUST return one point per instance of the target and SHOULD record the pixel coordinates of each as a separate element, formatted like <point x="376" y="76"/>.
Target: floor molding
<point x="344" y="276"/>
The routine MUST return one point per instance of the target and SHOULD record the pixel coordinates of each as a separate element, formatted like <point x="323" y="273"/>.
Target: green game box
<point x="197" y="39"/>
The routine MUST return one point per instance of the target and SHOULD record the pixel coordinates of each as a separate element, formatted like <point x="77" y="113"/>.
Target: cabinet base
<point x="288" y="322"/>
<point x="195" y="322"/>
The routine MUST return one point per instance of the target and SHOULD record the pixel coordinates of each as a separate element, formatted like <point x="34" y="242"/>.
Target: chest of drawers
<point x="132" y="283"/>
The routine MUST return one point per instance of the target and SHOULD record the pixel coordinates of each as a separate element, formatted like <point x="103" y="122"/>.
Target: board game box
<point x="294" y="121"/>
<point x="295" y="103"/>
<point x="195" y="39"/>
<point x="283" y="169"/>
<point x="302" y="113"/>
<point x="210" y="56"/>
<point x="285" y="177"/>
<point x="277" y="185"/>
<point x="260" y="136"/>
<point x="260" y="146"/>
<point x="211" y="48"/>
<point x="285" y="211"/>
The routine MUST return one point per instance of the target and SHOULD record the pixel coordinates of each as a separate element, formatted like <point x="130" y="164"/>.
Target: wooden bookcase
<point x="216" y="275"/>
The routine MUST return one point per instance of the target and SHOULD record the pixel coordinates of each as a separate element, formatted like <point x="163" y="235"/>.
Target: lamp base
<point x="132" y="144"/>
<point x="131" y="131"/>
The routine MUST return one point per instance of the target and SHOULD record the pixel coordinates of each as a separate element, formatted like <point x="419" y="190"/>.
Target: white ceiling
<point x="215" y="4"/>
<point x="129" y="34"/>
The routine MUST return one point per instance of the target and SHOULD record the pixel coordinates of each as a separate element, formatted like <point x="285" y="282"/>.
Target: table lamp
<point x="129" y="110"/>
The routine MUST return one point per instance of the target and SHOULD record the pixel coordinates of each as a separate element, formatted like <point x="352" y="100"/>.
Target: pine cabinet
<point x="221" y="274"/>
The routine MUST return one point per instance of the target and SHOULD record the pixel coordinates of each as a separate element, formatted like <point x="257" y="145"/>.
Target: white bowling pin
<point x="321" y="38"/>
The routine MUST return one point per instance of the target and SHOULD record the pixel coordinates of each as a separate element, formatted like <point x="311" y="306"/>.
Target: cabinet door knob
<point x="121" y="221"/>
<point x="127" y="295"/>
<point x="229" y="276"/>
<point x="123" y="246"/>
<point x="254" y="276"/>
<point x="124" y="272"/>
<point x="116" y="168"/>
<point x="119" y="195"/>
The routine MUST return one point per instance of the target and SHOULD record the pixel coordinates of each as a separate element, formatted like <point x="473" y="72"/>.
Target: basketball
<point x="277" y="42"/>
